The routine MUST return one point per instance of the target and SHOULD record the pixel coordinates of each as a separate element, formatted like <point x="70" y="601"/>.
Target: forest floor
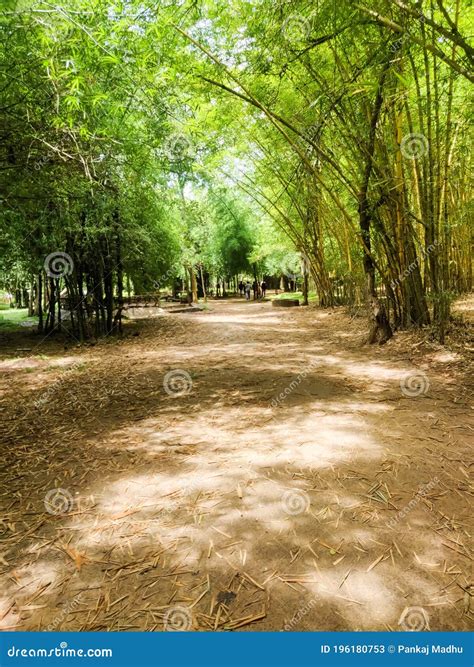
<point x="301" y="481"/>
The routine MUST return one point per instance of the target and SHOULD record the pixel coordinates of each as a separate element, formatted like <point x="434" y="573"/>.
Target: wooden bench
<point x="285" y="303"/>
<point x="144" y="300"/>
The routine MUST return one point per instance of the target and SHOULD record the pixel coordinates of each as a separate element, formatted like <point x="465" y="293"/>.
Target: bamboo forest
<point x="236" y="316"/>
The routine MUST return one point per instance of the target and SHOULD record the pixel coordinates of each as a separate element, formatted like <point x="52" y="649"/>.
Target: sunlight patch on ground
<point x="444" y="357"/>
<point x="363" y="595"/>
<point x="338" y="436"/>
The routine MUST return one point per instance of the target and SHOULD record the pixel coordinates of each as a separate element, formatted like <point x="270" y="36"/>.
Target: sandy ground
<point x="244" y="467"/>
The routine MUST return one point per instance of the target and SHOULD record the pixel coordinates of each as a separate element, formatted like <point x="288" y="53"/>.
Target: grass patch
<point x="13" y="319"/>
<point x="312" y="296"/>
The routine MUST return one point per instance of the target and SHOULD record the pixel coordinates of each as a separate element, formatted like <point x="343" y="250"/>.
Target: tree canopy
<point x="144" y="143"/>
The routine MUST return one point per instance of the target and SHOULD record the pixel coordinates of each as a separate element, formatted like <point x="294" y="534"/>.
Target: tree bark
<point x="380" y="328"/>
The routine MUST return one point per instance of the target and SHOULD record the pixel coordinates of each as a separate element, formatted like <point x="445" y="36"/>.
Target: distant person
<point x="218" y="289"/>
<point x="241" y="288"/>
<point x="263" y="286"/>
<point x="247" y="290"/>
<point x="255" y="289"/>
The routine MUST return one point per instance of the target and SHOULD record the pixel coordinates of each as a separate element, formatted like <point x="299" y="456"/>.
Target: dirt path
<point x="293" y="485"/>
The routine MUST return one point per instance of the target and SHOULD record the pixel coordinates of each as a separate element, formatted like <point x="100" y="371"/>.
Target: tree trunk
<point x="203" y="284"/>
<point x="40" y="303"/>
<point x="305" y="280"/>
<point x="118" y="257"/>
<point x="31" y="301"/>
<point x="58" y="293"/>
<point x="193" y="285"/>
<point x="379" y="325"/>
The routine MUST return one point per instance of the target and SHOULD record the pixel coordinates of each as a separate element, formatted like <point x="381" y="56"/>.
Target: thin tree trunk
<point x="305" y="282"/>
<point x="31" y="302"/>
<point x="40" y="303"/>
<point x="380" y="326"/>
<point x="203" y="284"/>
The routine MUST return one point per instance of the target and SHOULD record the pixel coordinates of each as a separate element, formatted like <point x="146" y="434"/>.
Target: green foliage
<point x="236" y="142"/>
<point x="233" y="234"/>
<point x="11" y="319"/>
